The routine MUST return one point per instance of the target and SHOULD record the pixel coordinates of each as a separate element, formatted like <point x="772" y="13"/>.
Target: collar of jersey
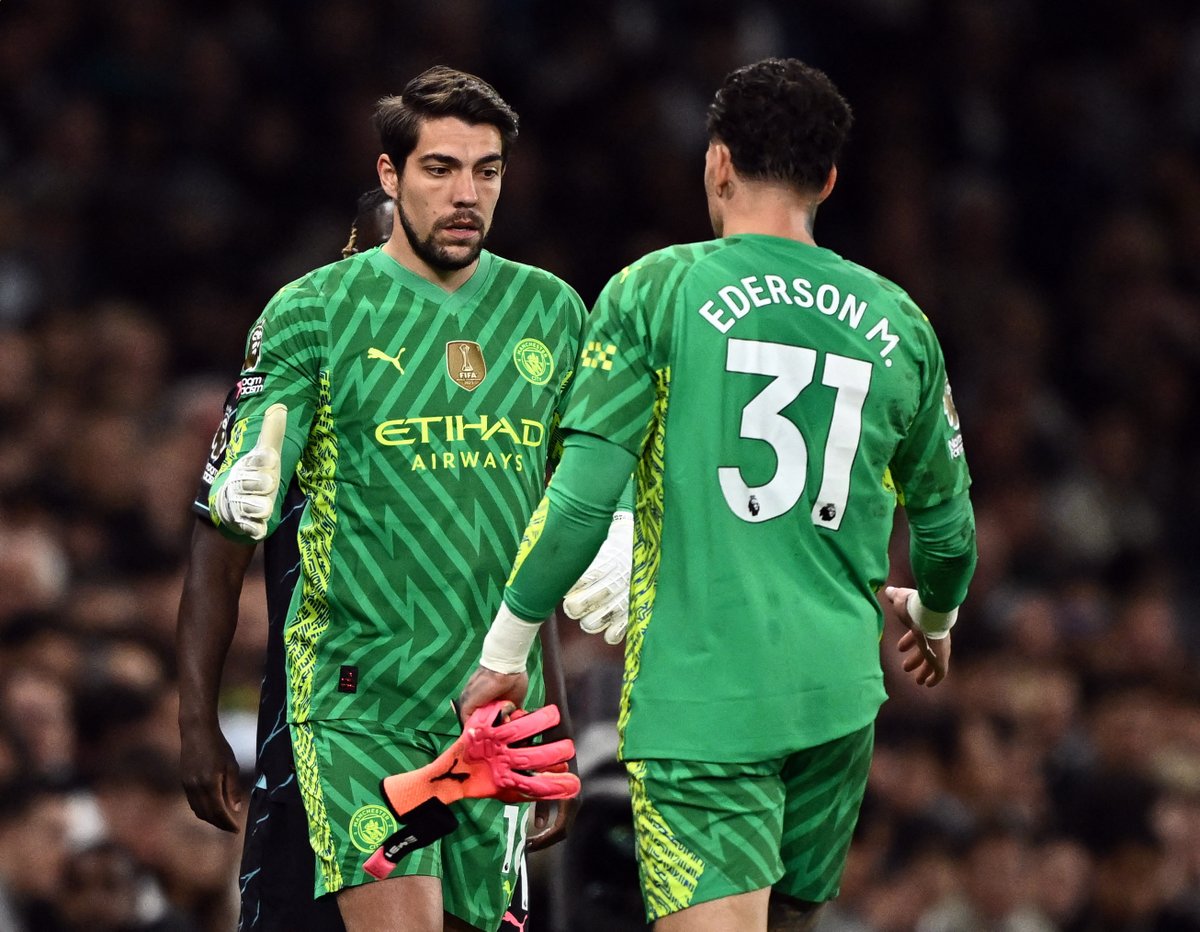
<point x="782" y="241"/>
<point x="427" y="289"/>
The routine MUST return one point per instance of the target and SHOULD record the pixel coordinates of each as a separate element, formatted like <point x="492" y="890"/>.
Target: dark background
<point x="1029" y="172"/>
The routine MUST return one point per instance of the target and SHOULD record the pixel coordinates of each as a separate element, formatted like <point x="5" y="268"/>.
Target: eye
<point x="438" y="171"/>
<point x="490" y="172"/>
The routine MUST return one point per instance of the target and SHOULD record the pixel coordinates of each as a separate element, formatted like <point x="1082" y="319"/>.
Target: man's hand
<point x="930" y="664"/>
<point x="552" y="820"/>
<point x="247" y="498"/>
<point x="494" y="757"/>
<point x="210" y="776"/>
<point x="486" y="685"/>
<point x="599" y="601"/>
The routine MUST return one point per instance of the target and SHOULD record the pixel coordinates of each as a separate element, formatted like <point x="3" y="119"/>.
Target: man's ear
<point x="827" y="188"/>
<point x="718" y="168"/>
<point x="389" y="178"/>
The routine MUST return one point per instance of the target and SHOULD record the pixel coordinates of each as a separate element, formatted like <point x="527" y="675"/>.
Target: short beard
<point x="433" y="255"/>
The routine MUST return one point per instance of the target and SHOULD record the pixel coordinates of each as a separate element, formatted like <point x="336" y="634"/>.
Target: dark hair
<point x="782" y="121"/>
<point x="370" y="201"/>
<point x="440" y="92"/>
<point x="365" y="219"/>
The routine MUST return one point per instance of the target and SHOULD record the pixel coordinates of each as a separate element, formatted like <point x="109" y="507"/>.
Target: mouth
<point x="462" y="228"/>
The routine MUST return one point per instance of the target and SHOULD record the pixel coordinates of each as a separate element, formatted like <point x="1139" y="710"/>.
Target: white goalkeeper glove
<point x="600" y="599"/>
<point x="247" y="498"/>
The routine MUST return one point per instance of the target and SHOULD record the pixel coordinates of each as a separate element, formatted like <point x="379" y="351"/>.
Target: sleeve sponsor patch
<point x="251" y="385"/>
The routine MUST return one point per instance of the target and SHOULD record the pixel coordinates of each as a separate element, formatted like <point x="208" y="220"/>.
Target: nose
<point x="464" y="192"/>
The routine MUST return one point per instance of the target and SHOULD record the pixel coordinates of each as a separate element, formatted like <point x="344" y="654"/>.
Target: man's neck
<point x="770" y="211"/>
<point x="449" y="280"/>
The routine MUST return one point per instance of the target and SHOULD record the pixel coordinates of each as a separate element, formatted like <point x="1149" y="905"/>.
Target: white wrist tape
<point x="935" y="625"/>
<point x="507" y="643"/>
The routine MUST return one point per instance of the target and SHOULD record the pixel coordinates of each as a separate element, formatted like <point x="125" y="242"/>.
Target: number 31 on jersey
<point x="793" y="369"/>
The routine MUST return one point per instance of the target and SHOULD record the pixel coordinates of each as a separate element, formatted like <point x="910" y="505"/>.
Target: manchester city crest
<point x="533" y="361"/>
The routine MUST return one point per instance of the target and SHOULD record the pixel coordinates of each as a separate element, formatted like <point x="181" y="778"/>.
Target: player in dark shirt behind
<point x="277" y="867"/>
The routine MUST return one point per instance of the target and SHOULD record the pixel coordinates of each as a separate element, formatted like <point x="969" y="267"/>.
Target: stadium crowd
<point x="1035" y="185"/>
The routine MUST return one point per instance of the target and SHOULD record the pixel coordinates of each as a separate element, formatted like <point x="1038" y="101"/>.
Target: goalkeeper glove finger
<point x="247" y="499"/>
<point x="599" y="600"/>
<point x="611" y="620"/>
<point x="489" y="760"/>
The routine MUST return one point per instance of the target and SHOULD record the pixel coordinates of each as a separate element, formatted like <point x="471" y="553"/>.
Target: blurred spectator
<point x="33" y="850"/>
<point x="105" y="890"/>
<point x="37" y="707"/>
<point x="997" y="889"/>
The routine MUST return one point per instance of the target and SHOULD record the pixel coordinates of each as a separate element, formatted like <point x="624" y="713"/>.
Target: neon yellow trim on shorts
<point x="319" y="834"/>
<point x="670" y="872"/>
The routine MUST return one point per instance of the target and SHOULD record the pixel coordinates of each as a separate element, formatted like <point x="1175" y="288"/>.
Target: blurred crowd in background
<point x="1029" y="172"/>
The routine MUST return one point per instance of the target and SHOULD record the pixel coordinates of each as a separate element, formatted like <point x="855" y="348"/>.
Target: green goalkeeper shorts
<point x="705" y="831"/>
<point x="339" y="765"/>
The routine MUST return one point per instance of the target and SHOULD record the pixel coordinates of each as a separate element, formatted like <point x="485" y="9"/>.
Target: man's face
<point x="447" y="191"/>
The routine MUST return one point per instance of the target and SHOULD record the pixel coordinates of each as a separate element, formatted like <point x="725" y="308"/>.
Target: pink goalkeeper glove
<point x="491" y="758"/>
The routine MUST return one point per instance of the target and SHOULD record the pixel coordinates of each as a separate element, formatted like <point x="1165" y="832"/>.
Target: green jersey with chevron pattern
<point x="781" y="399"/>
<point x="419" y="425"/>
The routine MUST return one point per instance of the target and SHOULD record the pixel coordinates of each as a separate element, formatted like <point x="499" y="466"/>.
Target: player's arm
<point x="931" y="475"/>
<point x="208" y="613"/>
<point x="599" y="599"/>
<point x="943" y="556"/>
<point x="281" y="389"/>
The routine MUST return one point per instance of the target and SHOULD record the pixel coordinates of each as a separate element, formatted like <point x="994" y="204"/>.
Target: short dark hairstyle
<point x="441" y="92"/>
<point x="366" y="221"/>
<point x="368" y="202"/>
<point x="782" y="120"/>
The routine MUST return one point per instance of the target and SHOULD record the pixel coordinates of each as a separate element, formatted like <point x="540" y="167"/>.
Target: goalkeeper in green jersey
<point x="413" y="390"/>
<point x="778" y="401"/>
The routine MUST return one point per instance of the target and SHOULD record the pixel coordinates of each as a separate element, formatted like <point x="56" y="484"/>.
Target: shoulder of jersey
<point x="323" y="280"/>
<point x="663" y="263"/>
<point x="540" y="276"/>
<point x="903" y="300"/>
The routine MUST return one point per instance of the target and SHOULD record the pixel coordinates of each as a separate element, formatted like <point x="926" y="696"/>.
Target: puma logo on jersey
<point x="451" y="774"/>
<point x="374" y="353"/>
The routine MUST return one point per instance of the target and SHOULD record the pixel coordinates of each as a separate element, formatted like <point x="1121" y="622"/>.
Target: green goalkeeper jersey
<point x="781" y="400"/>
<point x="419" y="426"/>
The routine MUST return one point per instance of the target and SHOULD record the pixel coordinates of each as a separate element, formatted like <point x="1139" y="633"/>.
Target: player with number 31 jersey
<point x="779" y="402"/>
<point x="788" y="382"/>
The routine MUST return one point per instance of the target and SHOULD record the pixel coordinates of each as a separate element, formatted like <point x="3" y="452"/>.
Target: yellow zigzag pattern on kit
<point x="670" y="871"/>
<point x="647" y="543"/>
<point x="316" y="471"/>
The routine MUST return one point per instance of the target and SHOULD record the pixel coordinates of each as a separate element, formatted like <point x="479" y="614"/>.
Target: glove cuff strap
<point x="934" y="625"/>
<point x="506" y="646"/>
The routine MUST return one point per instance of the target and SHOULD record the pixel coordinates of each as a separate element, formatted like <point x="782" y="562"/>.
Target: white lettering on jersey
<point x="735" y="301"/>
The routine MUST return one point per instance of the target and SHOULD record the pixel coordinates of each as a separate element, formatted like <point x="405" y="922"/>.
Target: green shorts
<point x="339" y="765"/>
<point x="705" y="831"/>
